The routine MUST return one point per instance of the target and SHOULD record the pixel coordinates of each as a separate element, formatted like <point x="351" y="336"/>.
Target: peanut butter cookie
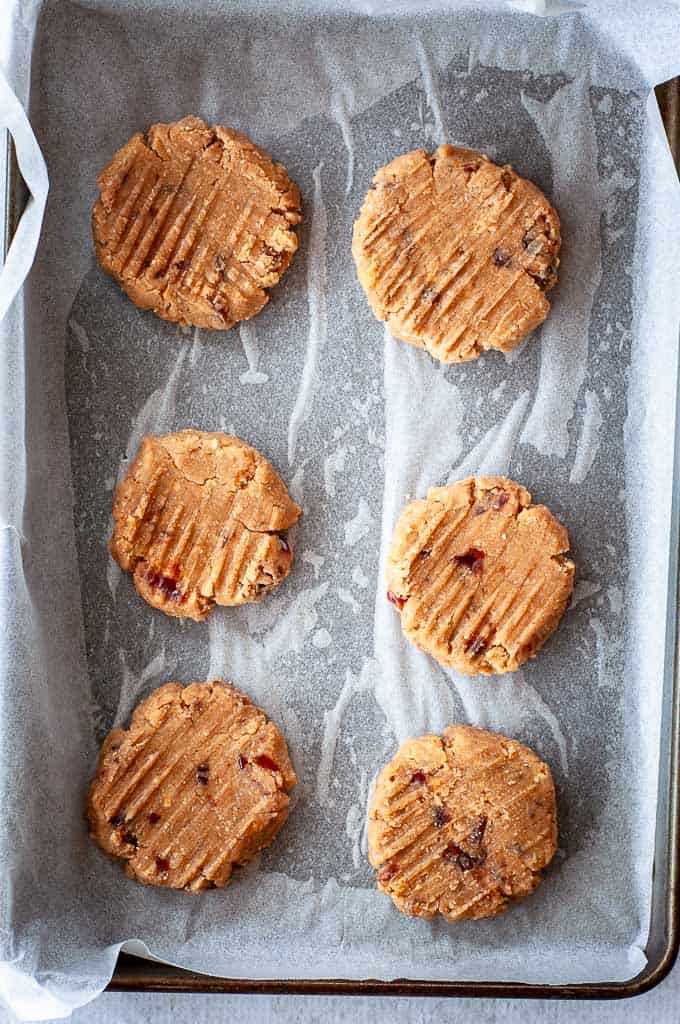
<point x="197" y="784"/>
<point x="456" y="254"/>
<point x="479" y="574"/>
<point x="195" y="223"/>
<point x="461" y="825"/>
<point x="197" y="520"/>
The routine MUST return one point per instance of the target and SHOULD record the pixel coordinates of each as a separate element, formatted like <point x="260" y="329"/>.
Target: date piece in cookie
<point x="456" y="254"/>
<point x="196" y="785"/>
<point x="461" y="825"/>
<point x="195" y="223"/>
<point x="479" y="575"/>
<point x="198" y="521"/>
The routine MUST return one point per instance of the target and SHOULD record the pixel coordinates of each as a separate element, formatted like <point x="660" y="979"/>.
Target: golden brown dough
<point x="195" y="223"/>
<point x="456" y="254"/>
<point x="461" y="825"/>
<point x="197" y="520"/>
<point x="479" y="574"/>
<point x="196" y="785"/>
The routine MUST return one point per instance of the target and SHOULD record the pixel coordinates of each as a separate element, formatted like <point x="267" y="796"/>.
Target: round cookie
<point x="461" y="825"/>
<point x="196" y="785"/>
<point x="479" y="574"/>
<point x="197" y="520"/>
<point x="456" y="254"/>
<point x="195" y="223"/>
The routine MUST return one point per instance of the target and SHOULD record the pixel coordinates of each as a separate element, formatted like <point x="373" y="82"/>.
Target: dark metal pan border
<point x="134" y="974"/>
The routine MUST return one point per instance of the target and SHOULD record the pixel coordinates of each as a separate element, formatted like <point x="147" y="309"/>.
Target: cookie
<point x="195" y="223"/>
<point x="197" y="784"/>
<point x="479" y="575"/>
<point x="197" y="521"/>
<point x="456" y="254"/>
<point x="461" y="825"/>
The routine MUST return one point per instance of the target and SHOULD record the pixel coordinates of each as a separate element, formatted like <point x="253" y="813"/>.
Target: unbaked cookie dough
<point x="456" y="254"/>
<point x="479" y="575"/>
<point x="196" y="785"/>
<point x="198" y="521"/>
<point x="195" y="223"/>
<point x="461" y="825"/>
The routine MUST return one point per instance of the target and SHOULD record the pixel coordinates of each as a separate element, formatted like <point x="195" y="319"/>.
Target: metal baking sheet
<point x="119" y="364"/>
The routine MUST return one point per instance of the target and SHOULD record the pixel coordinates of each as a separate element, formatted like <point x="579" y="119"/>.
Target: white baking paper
<point x="583" y="414"/>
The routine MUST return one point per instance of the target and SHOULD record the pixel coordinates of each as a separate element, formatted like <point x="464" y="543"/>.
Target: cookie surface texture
<point x="461" y="825"/>
<point x="196" y="785"/>
<point x="195" y="223"/>
<point x="197" y="520"/>
<point x="455" y="254"/>
<point x="479" y="575"/>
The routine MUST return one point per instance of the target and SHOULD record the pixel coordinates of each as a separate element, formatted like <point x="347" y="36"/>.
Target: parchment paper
<point x="357" y="423"/>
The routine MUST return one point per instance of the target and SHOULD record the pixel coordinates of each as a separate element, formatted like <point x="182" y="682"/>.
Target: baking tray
<point x="136" y="974"/>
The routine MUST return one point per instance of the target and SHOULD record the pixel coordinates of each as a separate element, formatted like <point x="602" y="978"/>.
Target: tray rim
<point x="136" y="974"/>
